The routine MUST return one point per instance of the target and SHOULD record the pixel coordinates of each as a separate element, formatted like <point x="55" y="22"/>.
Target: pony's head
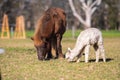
<point x="41" y="48"/>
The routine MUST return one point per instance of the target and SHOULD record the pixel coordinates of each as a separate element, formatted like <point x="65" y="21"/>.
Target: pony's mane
<point x="39" y="24"/>
<point x="45" y="18"/>
<point x="37" y="29"/>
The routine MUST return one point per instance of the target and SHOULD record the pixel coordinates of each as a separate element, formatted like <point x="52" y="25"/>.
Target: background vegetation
<point x="106" y="17"/>
<point x="19" y="62"/>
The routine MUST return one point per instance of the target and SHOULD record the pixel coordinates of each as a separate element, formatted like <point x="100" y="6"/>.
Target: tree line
<point x="107" y="15"/>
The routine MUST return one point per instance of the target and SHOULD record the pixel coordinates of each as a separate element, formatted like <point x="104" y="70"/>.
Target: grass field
<point x="19" y="62"/>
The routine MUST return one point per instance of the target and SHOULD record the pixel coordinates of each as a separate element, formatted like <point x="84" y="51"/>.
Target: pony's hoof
<point x="60" y="57"/>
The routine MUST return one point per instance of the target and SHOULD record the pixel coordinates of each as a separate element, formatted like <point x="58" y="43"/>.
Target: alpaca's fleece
<point x="90" y="36"/>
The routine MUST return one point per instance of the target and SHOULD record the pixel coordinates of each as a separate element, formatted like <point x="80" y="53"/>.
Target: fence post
<point x="20" y="28"/>
<point x="5" y="34"/>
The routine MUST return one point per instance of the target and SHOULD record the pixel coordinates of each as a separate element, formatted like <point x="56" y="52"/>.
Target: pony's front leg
<point x="59" y="47"/>
<point x="87" y="49"/>
<point x="49" y="56"/>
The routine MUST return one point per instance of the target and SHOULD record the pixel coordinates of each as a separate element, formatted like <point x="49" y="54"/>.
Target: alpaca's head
<point x="69" y="55"/>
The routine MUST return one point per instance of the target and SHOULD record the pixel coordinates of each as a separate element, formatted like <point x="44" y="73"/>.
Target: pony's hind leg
<point x="54" y="48"/>
<point x="59" y="46"/>
<point x="96" y="52"/>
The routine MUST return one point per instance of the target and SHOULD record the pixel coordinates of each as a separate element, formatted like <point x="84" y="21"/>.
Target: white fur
<point x="90" y="36"/>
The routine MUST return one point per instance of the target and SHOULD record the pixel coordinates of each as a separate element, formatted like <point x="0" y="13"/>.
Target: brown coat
<point x="48" y="34"/>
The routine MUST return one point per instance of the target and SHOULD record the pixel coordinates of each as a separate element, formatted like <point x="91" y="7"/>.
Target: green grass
<point x="68" y="33"/>
<point x="110" y="34"/>
<point x="19" y="62"/>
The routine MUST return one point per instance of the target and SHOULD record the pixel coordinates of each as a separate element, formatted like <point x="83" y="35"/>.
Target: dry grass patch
<point x="20" y="63"/>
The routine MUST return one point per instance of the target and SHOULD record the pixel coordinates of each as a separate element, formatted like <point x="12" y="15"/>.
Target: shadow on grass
<point x="101" y="60"/>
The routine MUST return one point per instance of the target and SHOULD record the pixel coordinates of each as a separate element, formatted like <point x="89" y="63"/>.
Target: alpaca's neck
<point x="77" y="50"/>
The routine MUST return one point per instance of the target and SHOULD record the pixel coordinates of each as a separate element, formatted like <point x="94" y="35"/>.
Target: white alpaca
<point x="90" y="36"/>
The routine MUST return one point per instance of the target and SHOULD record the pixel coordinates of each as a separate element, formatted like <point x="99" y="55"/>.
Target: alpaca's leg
<point x="101" y="48"/>
<point x="87" y="49"/>
<point x="80" y="54"/>
<point x="78" y="60"/>
<point x="96" y="52"/>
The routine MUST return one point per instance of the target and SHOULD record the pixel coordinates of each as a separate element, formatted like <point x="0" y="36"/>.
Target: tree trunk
<point x="88" y="8"/>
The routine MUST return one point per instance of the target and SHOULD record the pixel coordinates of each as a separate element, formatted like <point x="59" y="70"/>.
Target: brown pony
<point x="48" y="33"/>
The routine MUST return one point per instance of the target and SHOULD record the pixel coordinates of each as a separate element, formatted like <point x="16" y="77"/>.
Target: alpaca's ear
<point x="32" y="38"/>
<point x="69" y="50"/>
